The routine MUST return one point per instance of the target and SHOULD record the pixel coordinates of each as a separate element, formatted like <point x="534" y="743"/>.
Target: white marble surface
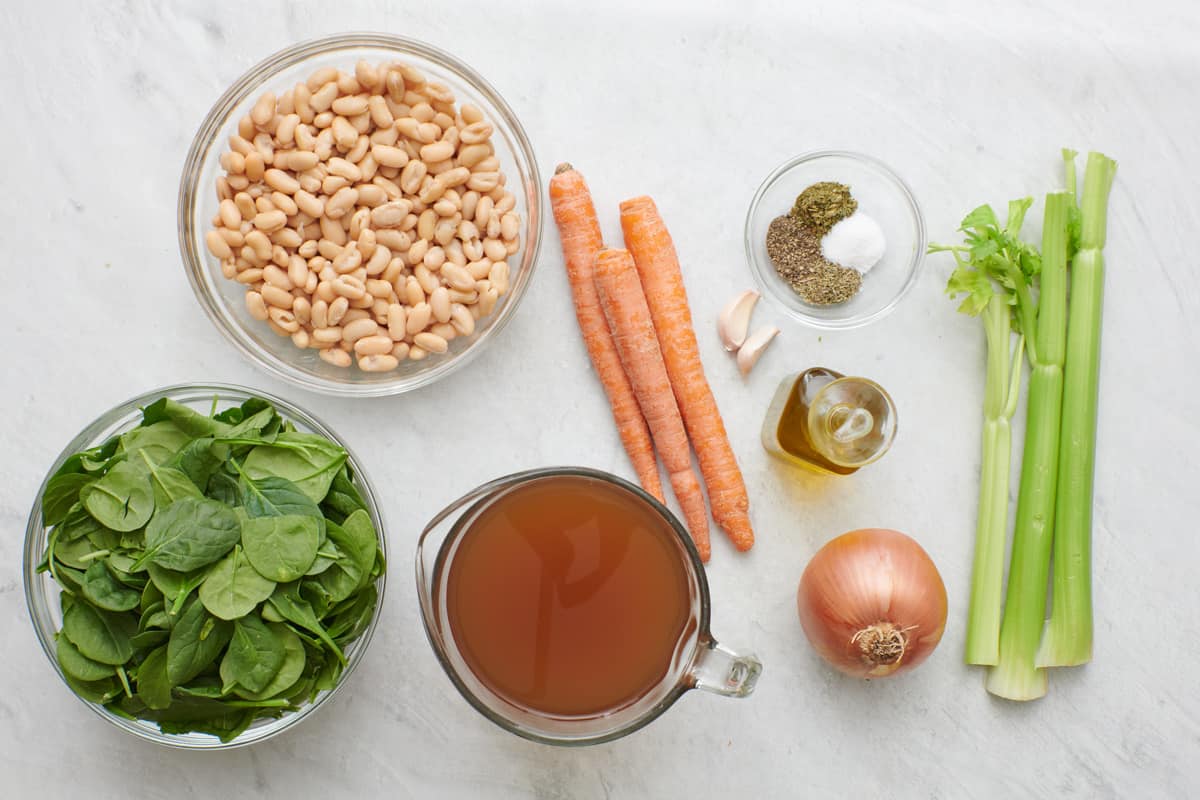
<point x="693" y="105"/>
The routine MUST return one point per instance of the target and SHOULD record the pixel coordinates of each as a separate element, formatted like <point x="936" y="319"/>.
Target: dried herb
<point x="795" y="250"/>
<point x="823" y="205"/>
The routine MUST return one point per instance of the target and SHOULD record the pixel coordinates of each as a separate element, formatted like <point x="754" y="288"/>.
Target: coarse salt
<point x="856" y="242"/>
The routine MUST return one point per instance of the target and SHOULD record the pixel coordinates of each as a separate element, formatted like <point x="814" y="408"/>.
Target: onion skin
<point x="872" y="603"/>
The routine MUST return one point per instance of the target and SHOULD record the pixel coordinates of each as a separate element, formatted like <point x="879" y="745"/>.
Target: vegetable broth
<point x="569" y="596"/>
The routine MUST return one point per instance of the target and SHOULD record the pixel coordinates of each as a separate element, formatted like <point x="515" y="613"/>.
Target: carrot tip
<point x="563" y="167"/>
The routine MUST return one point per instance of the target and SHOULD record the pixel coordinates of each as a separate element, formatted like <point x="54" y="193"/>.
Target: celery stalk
<point x="1002" y="387"/>
<point x="1015" y="675"/>
<point x="1067" y="640"/>
<point x="994" y="269"/>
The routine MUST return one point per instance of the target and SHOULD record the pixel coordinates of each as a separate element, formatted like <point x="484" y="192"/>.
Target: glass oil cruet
<point x="829" y="422"/>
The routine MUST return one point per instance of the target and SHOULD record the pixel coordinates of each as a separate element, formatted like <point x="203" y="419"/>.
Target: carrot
<point x="580" y="234"/>
<point x="658" y="266"/>
<point x="628" y="318"/>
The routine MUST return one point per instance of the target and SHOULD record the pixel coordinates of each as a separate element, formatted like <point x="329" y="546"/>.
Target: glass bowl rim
<point x="34" y="529"/>
<point x="914" y="265"/>
<point x="193" y="253"/>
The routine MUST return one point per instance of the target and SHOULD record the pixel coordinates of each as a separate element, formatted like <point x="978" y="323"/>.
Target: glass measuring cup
<point x="697" y="661"/>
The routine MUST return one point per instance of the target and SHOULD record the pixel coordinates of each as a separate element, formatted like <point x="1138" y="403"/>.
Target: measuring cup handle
<point x="719" y="670"/>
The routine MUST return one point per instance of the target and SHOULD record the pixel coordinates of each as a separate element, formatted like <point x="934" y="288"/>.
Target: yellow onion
<point x="872" y="603"/>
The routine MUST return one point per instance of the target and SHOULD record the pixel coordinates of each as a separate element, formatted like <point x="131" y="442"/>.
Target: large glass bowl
<point x="41" y="592"/>
<point x="224" y="300"/>
<point x="881" y="194"/>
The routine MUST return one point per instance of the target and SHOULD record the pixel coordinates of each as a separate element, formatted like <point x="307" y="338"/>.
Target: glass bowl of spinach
<point x="204" y="565"/>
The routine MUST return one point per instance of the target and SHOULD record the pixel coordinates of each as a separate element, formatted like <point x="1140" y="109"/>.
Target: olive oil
<point x="826" y="421"/>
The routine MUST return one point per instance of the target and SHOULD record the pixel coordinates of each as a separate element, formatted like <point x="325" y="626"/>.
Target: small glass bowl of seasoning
<point x="836" y="238"/>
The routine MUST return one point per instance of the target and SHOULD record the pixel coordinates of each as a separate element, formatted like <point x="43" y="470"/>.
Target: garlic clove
<point x="735" y="319"/>
<point x="753" y="349"/>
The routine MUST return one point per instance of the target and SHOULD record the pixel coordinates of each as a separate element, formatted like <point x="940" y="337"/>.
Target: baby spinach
<point x="153" y="685"/>
<point x="289" y="671"/>
<point x="192" y="423"/>
<point x="169" y="483"/>
<point x="306" y="459"/>
<point x="234" y="588"/>
<point x="214" y="567"/>
<point x="60" y="496"/>
<point x="103" y="590"/>
<point x="122" y="499"/>
<point x="158" y="443"/>
<point x="254" y="657"/>
<point x="200" y="459"/>
<point x="78" y="665"/>
<point x="289" y="604"/>
<point x="196" y="641"/>
<point x="343" y="498"/>
<point x="190" y="533"/>
<point x="276" y="497"/>
<point x="100" y="635"/>
<point x="175" y="586"/>
<point x="281" y="548"/>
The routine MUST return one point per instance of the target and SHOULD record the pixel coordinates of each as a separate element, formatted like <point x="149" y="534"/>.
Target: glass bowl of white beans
<point x="360" y="214"/>
<point x="42" y="590"/>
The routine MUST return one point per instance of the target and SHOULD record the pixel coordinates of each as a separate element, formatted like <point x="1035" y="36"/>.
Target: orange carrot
<point x="580" y="234"/>
<point x="628" y="318"/>
<point x="658" y="266"/>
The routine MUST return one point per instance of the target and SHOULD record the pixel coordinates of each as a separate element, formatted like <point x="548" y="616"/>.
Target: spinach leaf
<point x="352" y="571"/>
<point x="101" y="691"/>
<point x="192" y="423"/>
<point x="254" y="657"/>
<point x="277" y="497"/>
<point x="289" y="671"/>
<point x="195" y="642"/>
<point x="100" y="635"/>
<point x="289" y="604"/>
<point x="157" y="443"/>
<point x="223" y="487"/>
<point x="174" y="585"/>
<point x="233" y="588"/>
<point x="204" y="687"/>
<point x="153" y="685"/>
<point x="77" y="524"/>
<point x="306" y="459"/>
<point x="190" y="533"/>
<point x="152" y="637"/>
<point x="327" y="554"/>
<point x="254" y="426"/>
<point x="200" y="459"/>
<point x="125" y="561"/>
<point x="121" y="500"/>
<point x="102" y="590"/>
<point x="92" y="460"/>
<point x="78" y="665"/>
<point x="169" y="483"/>
<point x="343" y="498"/>
<point x="77" y="553"/>
<point x="251" y="412"/>
<point x="347" y="624"/>
<point x="226" y="727"/>
<point x="281" y="548"/>
<point x="157" y="618"/>
<point x="61" y="494"/>
<point x="69" y="579"/>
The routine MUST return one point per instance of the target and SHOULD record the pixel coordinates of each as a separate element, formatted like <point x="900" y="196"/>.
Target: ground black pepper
<point x="795" y="250"/>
